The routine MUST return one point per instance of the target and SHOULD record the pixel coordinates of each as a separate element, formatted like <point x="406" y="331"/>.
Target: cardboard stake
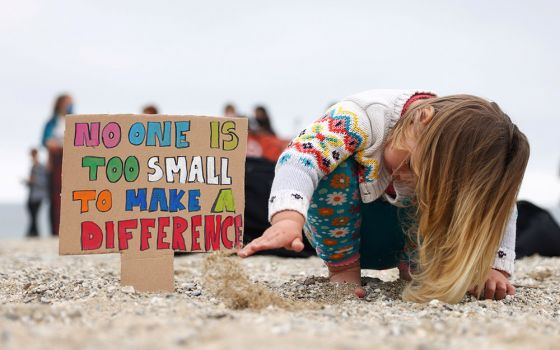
<point x="148" y="273"/>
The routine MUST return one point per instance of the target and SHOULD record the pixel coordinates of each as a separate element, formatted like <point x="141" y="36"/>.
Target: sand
<point x="47" y="301"/>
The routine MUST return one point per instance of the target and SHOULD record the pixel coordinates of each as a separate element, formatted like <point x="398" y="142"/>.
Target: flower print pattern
<point x="340" y="221"/>
<point x="339" y="232"/>
<point x="336" y="198"/>
<point x="340" y="181"/>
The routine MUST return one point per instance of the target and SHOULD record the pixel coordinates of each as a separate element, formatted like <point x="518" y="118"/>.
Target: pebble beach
<point x="67" y="302"/>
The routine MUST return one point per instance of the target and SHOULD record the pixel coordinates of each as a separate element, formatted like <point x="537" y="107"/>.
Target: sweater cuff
<point x="504" y="260"/>
<point x="287" y="200"/>
<point x="402" y="100"/>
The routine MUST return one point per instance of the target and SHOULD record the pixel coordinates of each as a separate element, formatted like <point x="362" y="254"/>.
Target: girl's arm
<point x="343" y="131"/>
<point x="505" y="256"/>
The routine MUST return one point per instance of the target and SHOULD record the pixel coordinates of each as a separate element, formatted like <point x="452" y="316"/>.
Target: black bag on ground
<point x="259" y="174"/>
<point x="537" y="231"/>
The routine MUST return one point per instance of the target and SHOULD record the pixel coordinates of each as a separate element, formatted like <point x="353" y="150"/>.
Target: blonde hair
<point x="469" y="160"/>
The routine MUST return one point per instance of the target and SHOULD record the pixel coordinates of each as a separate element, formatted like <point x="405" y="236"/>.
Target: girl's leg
<point x="385" y="241"/>
<point x="334" y="220"/>
<point x="348" y="233"/>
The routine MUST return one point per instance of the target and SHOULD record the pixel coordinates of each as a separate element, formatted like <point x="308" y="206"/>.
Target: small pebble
<point x="128" y="289"/>
<point x="188" y="285"/>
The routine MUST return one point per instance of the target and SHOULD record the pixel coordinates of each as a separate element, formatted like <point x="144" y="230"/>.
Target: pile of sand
<point x="227" y="279"/>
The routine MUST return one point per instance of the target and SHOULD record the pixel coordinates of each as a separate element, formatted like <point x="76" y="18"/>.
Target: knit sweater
<point x="357" y="127"/>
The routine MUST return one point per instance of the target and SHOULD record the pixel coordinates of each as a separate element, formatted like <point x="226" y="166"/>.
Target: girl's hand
<point x="497" y="286"/>
<point x="285" y="232"/>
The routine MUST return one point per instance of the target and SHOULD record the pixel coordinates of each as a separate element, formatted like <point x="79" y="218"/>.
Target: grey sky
<point x="293" y="56"/>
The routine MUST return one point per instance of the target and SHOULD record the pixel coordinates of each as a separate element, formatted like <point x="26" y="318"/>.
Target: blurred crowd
<point x="45" y="179"/>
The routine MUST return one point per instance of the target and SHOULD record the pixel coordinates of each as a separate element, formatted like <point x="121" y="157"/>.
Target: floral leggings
<point x="343" y="229"/>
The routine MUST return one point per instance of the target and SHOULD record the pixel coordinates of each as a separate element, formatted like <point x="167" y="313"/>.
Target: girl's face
<point x="398" y="160"/>
<point x="398" y="163"/>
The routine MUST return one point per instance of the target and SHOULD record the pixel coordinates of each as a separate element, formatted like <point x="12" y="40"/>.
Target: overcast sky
<point x="295" y="57"/>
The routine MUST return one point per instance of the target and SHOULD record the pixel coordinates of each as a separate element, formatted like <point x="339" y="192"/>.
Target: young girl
<point x="456" y="162"/>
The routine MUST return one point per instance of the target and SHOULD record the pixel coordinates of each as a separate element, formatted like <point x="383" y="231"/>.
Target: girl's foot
<point x="404" y="272"/>
<point x="348" y="274"/>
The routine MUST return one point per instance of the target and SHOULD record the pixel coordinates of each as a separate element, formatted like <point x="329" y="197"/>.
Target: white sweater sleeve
<point x="505" y="255"/>
<point x="344" y="130"/>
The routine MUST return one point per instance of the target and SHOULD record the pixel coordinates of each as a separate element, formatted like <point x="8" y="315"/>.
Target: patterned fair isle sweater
<point x="357" y="127"/>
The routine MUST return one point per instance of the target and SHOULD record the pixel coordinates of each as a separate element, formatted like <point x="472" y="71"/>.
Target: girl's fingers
<point x="360" y="292"/>
<point x="275" y="242"/>
<point x="500" y="291"/>
<point x="489" y="289"/>
<point x="248" y="250"/>
<point x="510" y="289"/>
<point x="251" y="248"/>
<point x="296" y="245"/>
<point x="265" y="242"/>
<point x="271" y="239"/>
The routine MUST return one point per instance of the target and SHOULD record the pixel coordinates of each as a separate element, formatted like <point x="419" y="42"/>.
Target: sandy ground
<point x="47" y="301"/>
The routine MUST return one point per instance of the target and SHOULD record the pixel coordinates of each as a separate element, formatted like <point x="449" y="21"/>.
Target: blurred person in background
<point x="230" y="111"/>
<point x="38" y="191"/>
<point x="150" y="109"/>
<point x="262" y="140"/>
<point x="53" y="140"/>
<point x="263" y="122"/>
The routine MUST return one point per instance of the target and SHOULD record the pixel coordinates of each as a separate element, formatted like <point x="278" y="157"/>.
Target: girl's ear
<point x="425" y="115"/>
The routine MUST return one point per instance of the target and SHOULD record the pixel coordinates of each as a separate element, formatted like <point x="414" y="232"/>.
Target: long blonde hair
<point x="469" y="160"/>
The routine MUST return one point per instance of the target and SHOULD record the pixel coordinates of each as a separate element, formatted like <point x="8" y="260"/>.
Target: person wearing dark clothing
<point x="37" y="183"/>
<point x="537" y="232"/>
<point x="263" y="121"/>
<point x="53" y="139"/>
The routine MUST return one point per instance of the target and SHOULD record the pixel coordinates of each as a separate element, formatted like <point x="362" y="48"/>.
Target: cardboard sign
<point x="148" y="185"/>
